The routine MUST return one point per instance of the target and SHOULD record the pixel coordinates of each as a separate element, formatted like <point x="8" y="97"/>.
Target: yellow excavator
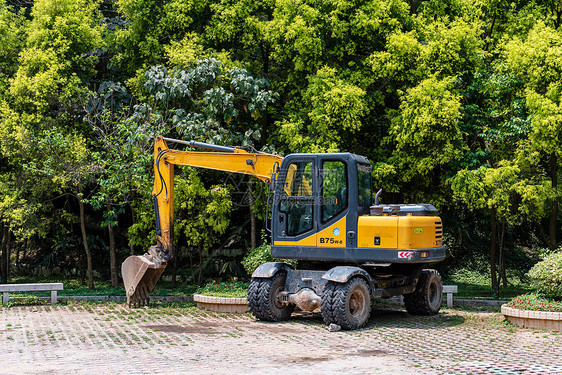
<point x="321" y="214"/>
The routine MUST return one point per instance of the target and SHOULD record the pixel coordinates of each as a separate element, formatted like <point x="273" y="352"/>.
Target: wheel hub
<point x="433" y="294"/>
<point x="356" y="303"/>
<point x="278" y="297"/>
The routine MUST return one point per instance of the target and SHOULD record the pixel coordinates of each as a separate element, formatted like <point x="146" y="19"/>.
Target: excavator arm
<point x="140" y="273"/>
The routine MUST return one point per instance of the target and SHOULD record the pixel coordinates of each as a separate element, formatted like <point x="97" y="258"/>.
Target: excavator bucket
<point x="140" y="276"/>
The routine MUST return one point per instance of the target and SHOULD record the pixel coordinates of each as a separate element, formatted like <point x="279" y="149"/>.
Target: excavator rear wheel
<point x="264" y="299"/>
<point x="428" y="296"/>
<point x="347" y="305"/>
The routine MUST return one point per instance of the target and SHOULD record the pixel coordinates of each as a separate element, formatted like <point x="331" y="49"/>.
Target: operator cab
<point x="317" y="200"/>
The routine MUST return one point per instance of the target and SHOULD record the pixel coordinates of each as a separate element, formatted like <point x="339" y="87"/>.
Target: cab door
<point x="334" y="198"/>
<point x="294" y="213"/>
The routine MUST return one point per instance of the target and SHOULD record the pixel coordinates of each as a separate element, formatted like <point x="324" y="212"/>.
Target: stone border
<point x="546" y="320"/>
<point x="101" y="298"/>
<point x="222" y="304"/>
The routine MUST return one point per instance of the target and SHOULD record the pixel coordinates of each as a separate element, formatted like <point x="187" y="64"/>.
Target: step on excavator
<point x="322" y="214"/>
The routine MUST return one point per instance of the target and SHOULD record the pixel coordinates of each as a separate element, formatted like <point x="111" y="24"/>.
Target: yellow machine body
<point x="399" y="232"/>
<point x="394" y="232"/>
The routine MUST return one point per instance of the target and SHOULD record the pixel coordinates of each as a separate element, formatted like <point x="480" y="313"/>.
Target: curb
<point x="111" y="298"/>
<point x="546" y="320"/>
<point x="457" y="301"/>
<point x="465" y="302"/>
<point x="222" y="304"/>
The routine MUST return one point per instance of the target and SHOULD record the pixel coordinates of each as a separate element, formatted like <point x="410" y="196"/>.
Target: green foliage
<point x="335" y="106"/>
<point x="11" y="42"/>
<point x="487" y="188"/>
<point x="547" y="275"/>
<point x="138" y="41"/>
<point x="142" y="233"/>
<point x="476" y="283"/>
<point x="201" y="213"/>
<point x="438" y="48"/>
<point x="537" y="58"/>
<point x="207" y="102"/>
<point x="59" y="52"/>
<point x="426" y="129"/>
<point x="260" y="255"/>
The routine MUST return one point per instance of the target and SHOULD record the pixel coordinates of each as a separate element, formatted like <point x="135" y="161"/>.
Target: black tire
<point x="263" y="302"/>
<point x="347" y="305"/>
<point x="428" y="296"/>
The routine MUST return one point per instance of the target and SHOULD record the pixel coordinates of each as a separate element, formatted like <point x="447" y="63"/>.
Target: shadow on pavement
<point x="390" y="318"/>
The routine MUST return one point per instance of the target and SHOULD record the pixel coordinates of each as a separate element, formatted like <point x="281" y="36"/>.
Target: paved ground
<point x="111" y="339"/>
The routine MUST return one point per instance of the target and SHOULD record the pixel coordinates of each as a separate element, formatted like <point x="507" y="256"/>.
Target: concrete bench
<point x="447" y="289"/>
<point x="5" y="289"/>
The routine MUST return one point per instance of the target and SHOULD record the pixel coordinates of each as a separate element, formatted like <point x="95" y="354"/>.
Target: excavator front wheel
<point x="264" y="298"/>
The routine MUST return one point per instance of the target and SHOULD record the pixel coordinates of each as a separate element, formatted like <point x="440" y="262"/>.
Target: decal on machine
<point x="336" y="231"/>
<point x="405" y="254"/>
<point x="330" y="240"/>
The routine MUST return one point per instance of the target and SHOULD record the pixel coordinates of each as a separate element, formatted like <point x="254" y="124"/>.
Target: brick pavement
<point x="109" y="338"/>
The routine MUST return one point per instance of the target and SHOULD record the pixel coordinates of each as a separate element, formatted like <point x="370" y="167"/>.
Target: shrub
<point x="535" y="302"/>
<point x="225" y="289"/>
<point x="546" y="275"/>
<point x="260" y="255"/>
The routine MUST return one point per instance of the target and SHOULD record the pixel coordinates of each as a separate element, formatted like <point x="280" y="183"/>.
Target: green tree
<point x="68" y="162"/>
<point x="333" y="108"/>
<point x="38" y="111"/>
<point x="149" y="26"/>
<point x="537" y="59"/>
<point x="11" y="41"/>
<point x="491" y="190"/>
<point x="58" y="57"/>
<point x="427" y="134"/>
<point x="201" y="214"/>
<point x="124" y="154"/>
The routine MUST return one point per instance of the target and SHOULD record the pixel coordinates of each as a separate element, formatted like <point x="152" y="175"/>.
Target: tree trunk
<point x="131" y="246"/>
<point x="200" y="248"/>
<point x="251" y="201"/>
<point x="502" y="273"/>
<point x="493" y="251"/>
<point x="85" y="240"/>
<point x="5" y="254"/>
<point x="553" y="243"/>
<point x="18" y="251"/>
<point x="112" y="254"/>
<point x="8" y="251"/>
<point x="174" y="271"/>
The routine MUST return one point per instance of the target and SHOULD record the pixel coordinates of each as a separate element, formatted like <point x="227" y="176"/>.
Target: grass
<point x="471" y="284"/>
<point x="73" y="287"/>
<point x="475" y="284"/>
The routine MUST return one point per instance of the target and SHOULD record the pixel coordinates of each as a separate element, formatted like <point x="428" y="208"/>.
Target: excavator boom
<point x="140" y="273"/>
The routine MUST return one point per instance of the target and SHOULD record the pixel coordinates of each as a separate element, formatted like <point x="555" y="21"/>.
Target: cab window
<point x="296" y="198"/>
<point x="364" y="185"/>
<point x="334" y="189"/>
